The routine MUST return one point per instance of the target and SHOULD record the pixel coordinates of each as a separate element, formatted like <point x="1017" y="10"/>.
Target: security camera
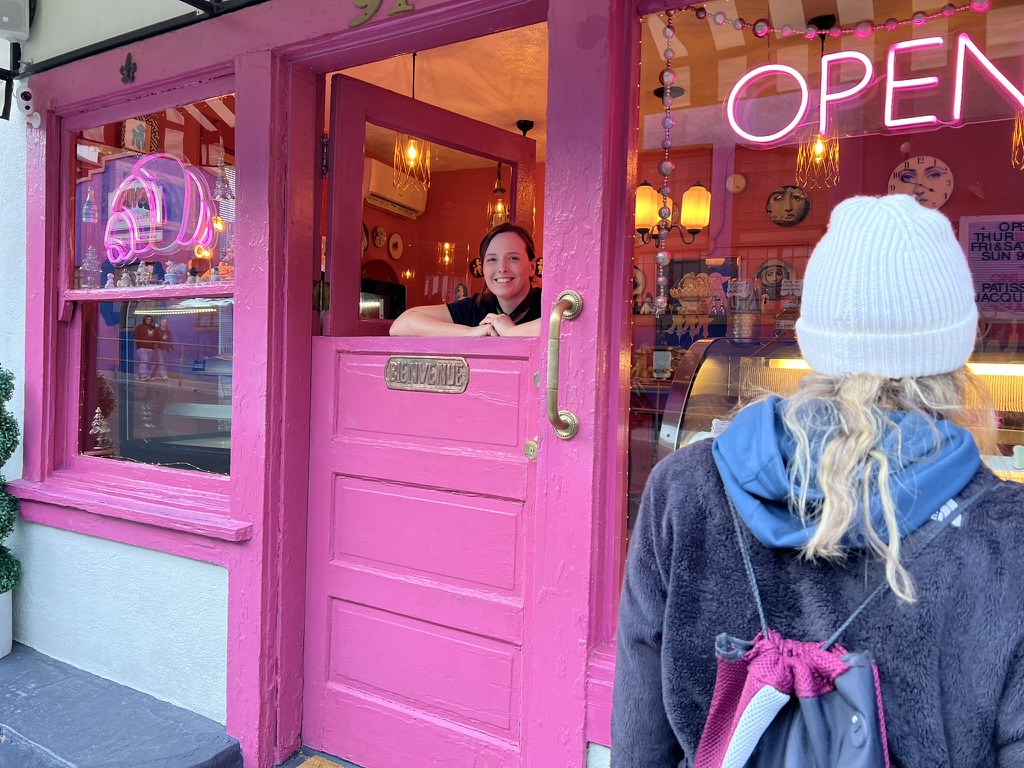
<point x="26" y="105"/>
<point x="23" y="97"/>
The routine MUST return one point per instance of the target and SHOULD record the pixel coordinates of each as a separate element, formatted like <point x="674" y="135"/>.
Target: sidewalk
<point x="53" y="715"/>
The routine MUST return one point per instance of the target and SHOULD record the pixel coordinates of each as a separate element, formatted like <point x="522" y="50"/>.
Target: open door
<point x="418" y="500"/>
<point x="357" y="108"/>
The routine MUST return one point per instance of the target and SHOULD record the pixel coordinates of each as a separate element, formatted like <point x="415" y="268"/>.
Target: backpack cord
<point x="748" y="566"/>
<point x="935" y="530"/>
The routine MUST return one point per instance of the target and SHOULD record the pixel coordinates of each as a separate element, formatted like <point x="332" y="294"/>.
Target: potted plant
<point x="10" y="568"/>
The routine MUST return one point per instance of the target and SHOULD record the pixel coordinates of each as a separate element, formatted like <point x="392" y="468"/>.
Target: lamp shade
<point x="696" y="208"/>
<point x="648" y="201"/>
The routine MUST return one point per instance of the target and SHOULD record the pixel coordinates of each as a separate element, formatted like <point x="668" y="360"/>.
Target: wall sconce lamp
<point x="693" y="217"/>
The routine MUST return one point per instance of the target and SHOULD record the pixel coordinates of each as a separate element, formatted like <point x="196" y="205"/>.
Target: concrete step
<point x="53" y="715"/>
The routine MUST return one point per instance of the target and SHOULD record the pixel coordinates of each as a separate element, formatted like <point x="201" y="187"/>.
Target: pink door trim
<point x="274" y="52"/>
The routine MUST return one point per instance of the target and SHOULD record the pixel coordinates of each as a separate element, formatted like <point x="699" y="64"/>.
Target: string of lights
<point x="862" y="29"/>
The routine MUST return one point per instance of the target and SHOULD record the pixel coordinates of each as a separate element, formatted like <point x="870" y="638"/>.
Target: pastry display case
<point x="701" y="386"/>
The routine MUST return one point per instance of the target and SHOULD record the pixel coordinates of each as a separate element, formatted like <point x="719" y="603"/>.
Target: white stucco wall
<point x="61" y="26"/>
<point x="154" y="622"/>
<point x="12" y="267"/>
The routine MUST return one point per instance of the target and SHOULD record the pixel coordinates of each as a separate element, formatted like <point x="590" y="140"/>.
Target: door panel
<point x="417" y="500"/>
<point x="415" y="559"/>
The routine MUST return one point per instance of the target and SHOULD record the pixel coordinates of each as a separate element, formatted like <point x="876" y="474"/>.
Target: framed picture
<point x="141" y="134"/>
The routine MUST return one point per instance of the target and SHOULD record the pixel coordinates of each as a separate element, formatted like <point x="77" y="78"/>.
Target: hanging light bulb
<point x="817" y="160"/>
<point x="90" y="209"/>
<point x="497" y="209"/>
<point x="1017" y="144"/>
<point x="445" y="257"/>
<point x="412" y="155"/>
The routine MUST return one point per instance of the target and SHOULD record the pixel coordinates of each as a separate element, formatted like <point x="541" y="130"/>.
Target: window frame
<point x="56" y="473"/>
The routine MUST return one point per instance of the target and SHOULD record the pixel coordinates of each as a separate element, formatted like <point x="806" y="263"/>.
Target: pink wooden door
<point x="419" y="503"/>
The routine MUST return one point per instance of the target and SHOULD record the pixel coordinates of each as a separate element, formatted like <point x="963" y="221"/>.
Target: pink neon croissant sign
<point x="138" y="223"/>
<point x="829" y="94"/>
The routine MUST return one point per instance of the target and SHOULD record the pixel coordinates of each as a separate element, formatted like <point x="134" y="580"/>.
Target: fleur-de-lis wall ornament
<point x="128" y="70"/>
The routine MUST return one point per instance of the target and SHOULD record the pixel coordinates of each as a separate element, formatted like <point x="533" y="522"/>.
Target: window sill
<point x="189" y="511"/>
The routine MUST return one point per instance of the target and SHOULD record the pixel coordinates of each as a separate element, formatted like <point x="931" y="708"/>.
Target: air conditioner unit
<point x="379" y="190"/>
<point x="15" y="16"/>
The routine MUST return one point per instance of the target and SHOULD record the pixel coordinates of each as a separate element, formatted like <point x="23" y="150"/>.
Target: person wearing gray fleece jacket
<point x="832" y="487"/>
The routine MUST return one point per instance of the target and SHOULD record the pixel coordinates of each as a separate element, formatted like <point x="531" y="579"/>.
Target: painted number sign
<point x="369" y="9"/>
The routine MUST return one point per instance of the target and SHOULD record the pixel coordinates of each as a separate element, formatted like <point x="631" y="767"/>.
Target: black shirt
<point x="470" y="311"/>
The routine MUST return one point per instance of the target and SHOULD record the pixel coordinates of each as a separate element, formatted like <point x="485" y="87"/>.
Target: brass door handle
<point x="568" y="306"/>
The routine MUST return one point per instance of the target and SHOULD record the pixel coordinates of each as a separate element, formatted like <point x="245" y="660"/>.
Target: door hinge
<point x="323" y="155"/>
<point x="321" y="295"/>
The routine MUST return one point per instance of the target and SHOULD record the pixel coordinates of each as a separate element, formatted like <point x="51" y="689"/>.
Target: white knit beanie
<point x="887" y="291"/>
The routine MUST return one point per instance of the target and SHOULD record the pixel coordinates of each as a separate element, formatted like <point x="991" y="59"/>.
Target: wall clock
<point x="926" y="178"/>
<point x="380" y="236"/>
<point x="735" y="183"/>
<point x="395" y="246"/>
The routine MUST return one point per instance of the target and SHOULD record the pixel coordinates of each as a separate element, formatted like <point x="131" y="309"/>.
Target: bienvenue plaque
<point x="414" y="373"/>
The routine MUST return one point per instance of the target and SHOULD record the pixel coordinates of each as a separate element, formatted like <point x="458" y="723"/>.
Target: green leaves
<point x="10" y="568"/>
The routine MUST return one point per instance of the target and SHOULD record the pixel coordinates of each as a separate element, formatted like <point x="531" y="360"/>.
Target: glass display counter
<point x="704" y="384"/>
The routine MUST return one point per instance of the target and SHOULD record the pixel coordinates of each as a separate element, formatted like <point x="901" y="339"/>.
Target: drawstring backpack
<point x="781" y="703"/>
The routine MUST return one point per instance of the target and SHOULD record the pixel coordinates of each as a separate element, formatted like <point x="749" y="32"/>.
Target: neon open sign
<point x="828" y="95"/>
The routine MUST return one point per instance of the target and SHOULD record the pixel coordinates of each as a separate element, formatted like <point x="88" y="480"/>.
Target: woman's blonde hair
<point x="839" y="424"/>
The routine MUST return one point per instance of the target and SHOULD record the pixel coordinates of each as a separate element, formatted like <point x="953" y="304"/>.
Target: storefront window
<point x="923" y="106"/>
<point x="152" y="240"/>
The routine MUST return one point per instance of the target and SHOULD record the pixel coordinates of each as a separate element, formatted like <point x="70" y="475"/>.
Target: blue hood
<point x="754" y="451"/>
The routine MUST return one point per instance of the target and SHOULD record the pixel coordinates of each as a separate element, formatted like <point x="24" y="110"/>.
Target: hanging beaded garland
<point x="665" y="167"/>
<point x="862" y="29"/>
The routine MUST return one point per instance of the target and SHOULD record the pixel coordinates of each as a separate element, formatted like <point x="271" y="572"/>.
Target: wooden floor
<point x="323" y="762"/>
<point x="307" y="760"/>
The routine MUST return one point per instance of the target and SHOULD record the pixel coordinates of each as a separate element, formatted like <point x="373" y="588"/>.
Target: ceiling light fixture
<point x="412" y="155"/>
<point x="1017" y="145"/>
<point x="497" y="208"/>
<point x="817" y="159"/>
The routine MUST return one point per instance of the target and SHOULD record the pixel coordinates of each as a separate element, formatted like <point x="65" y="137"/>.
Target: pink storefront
<point x="424" y="538"/>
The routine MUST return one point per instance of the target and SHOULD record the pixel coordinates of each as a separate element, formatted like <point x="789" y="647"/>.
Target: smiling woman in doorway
<point x="509" y="305"/>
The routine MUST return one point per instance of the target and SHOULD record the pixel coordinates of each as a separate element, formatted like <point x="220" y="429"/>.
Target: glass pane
<point x="421" y="246"/>
<point x="153" y="200"/>
<point x="156" y="382"/>
<point x="924" y="112"/>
